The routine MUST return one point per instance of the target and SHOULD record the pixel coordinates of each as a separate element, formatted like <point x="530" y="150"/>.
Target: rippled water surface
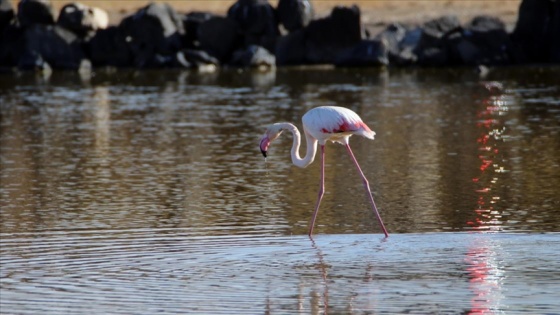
<point x="145" y="192"/>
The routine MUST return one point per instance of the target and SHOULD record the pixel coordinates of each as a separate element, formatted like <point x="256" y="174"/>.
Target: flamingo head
<point x="272" y="132"/>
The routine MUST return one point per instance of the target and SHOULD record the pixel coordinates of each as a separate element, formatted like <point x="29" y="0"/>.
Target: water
<point x="145" y="192"/>
<point x="177" y="271"/>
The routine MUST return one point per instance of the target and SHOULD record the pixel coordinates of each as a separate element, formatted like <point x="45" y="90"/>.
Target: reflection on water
<point x="491" y="122"/>
<point x="135" y="191"/>
<point x="178" y="271"/>
<point x="486" y="275"/>
<point x="177" y="149"/>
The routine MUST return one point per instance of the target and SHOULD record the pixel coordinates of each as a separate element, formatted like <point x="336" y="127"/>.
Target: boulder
<point x="156" y="29"/>
<point x="10" y="45"/>
<point x="367" y="53"/>
<point x="253" y="57"/>
<point x="294" y="14"/>
<point x="81" y="19"/>
<point x="100" y="18"/>
<point x="290" y="49"/>
<point x="400" y="42"/>
<point x="7" y="32"/>
<point x="432" y="47"/>
<point x="35" y="12"/>
<point x="257" y="22"/>
<point x="197" y="59"/>
<point x="326" y="38"/>
<point x="393" y="35"/>
<point x="219" y="36"/>
<point x="6" y="15"/>
<point x="51" y="44"/>
<point x="191" y="23"/>
<point x="537" y="31"/>
<point x="484" y="41"/>
<point x="108" y="48"/>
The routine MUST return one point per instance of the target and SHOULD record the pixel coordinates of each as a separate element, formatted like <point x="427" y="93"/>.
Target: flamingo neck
<point x="311" y="147"/>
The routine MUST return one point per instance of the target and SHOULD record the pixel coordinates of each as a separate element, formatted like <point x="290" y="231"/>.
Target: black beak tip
<point x="263" y="153"/>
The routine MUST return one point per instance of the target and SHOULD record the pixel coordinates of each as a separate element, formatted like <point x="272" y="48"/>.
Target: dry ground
<point x="375" y="13"/>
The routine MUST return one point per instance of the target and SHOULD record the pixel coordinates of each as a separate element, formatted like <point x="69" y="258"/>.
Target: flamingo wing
<point x="334" y="123"/>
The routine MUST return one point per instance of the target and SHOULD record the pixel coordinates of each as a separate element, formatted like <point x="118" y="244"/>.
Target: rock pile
<point x="255" y="34"/>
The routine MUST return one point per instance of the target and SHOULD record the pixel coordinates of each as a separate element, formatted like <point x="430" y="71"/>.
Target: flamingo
<point x="322" y="124"/>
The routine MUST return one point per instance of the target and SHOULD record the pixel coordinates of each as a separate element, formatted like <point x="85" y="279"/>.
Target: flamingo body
<point x="334" y="123"/>
<point x="322" y="124"/>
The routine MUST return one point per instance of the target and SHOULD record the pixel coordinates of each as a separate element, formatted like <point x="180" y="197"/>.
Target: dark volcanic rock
<point x="78" y="18"/>
<point x="295" y="14"/>
<point x="484" y="41"/>
<point x="253" y="57"/>
<point x="537" y="33"/>
<point x="51" y="44"/>
<point x="326" y="38"/>
<point x="108" y="48"/>
<point x="432" y="48"/>
<point x="367" y="53"/>
<point x="153" y="33"/>
<point x="6" y="14"/>
<point x="191" y="23"/>
<point x="400" y="42"/>
<point x="257" y="22"/>
<point x="35" y="12"/>
<point x="290" y="49"/>
<point x="219" y="36"/>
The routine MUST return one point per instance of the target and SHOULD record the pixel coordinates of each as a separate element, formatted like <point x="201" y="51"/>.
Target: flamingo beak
<point x="265" y="142"/>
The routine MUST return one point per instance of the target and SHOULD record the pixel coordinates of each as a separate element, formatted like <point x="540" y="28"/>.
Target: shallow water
<point x="176" y="271"/>
<point x="144" y="192"/>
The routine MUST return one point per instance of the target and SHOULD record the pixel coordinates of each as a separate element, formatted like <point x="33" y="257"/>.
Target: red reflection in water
<point x="484" y="279"/>
<point x="482" y="268"/>
<point x="489" y="140"/>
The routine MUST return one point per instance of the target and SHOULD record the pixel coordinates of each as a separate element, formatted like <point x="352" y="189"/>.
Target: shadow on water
<point x="145" y="192"/>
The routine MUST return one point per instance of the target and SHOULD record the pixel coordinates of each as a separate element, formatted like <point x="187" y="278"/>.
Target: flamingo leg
<point x="368" y="190"/>
<point x="321" y="191"/>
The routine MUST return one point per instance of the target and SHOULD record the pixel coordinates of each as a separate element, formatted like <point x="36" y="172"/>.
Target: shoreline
<point x="247" y="34"/>
<point x="375" y="14"/>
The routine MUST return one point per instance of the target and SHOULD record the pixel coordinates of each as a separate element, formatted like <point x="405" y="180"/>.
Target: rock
<point x="400" y="42"/>
<point x="108" y="48"/>
<point x="435" y="30"/>
<point x="192" y="22"/>
<point x="294" y="14"/>
<point x="81" y="19"/>
<point x="432" y="49"/>
<point x="156" y="29"/>
<point x="197" y="59"/>
<point x="7" y="32"/>
<point x="6" y="15"/>
<point x="253" y="57"/>
<point x="257" y="22"/>
<point x="35" y="12"/>
<point x="219" y="36"/>
<point x="484" y="41"/>
<point x="537" y="31"/>
<point x="367" y="53"/>
<point x="393" y="35"/>
<point x="33" y="61"/>
<point x="290" y="49"/>
<point x="51" y="44"/>
<point x="482" y="71"/>
<point x="327" y="37"/>
<point x="10" y="46"/>
<point x="100" y="18"/>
